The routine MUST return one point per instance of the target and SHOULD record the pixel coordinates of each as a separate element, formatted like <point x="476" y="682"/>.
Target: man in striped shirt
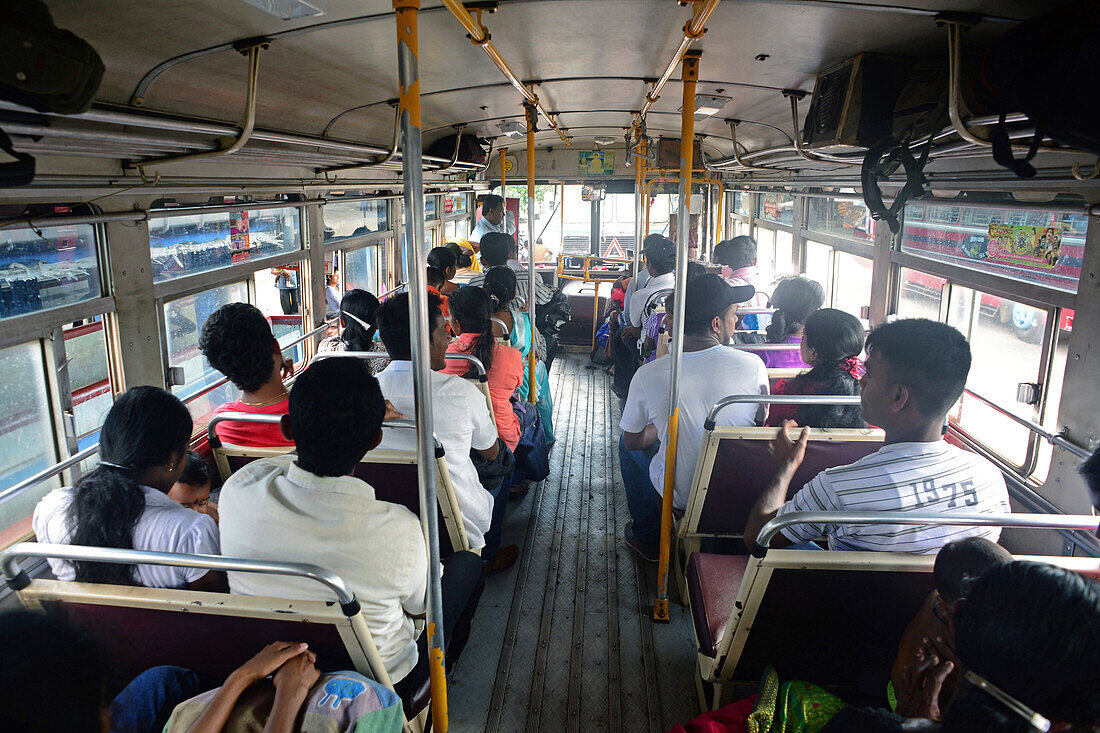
<point x="916" y="370"/>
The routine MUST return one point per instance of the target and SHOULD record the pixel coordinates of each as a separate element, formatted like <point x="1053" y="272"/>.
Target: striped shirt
<point x="902" y="477"/>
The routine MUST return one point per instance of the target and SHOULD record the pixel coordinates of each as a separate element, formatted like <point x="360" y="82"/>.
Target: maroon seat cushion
<point x="397" y="484"/>
<point x="713" y="583"/>
<point x="743" y="468"/>
<point x="578" y="329"/>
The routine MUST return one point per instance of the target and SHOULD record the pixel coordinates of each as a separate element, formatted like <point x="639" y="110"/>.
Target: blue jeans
<point x="642" y="499"/>
<point x="496" y="526"/>
<point x="145" y="705"/>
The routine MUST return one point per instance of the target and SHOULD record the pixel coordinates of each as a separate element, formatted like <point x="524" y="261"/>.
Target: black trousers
<point x="288" y="299"/>
<point x="463" y="581"/>
<point x="625" y="356"/>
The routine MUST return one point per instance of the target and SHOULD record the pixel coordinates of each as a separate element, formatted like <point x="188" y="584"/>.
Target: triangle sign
<point x="614" y="249"/>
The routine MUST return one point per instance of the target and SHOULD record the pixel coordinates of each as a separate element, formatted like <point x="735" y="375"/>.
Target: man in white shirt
<point x="307" y="508"/>
<point x="710" y="372"/>
<point x="494" y="218"/>
<point x="916" y="370"/>
<point x="462" y="423"/>
<point x="660" y="260"/>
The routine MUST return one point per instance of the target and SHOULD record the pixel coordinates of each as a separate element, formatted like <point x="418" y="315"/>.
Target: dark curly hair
<point x="237" y="341"/>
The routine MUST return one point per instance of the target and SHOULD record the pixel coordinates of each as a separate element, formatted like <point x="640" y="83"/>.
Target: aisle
<point x="563" y="640"/>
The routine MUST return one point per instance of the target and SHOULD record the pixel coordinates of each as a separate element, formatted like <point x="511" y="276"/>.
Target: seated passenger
<point x="462" y="420"/>
<point x="831" y="345"/>
<point x="472" y="322"/>
<point x="192" y="488"/>
<point x="306" y="508"/>
<point x="237" y="341"/>
<point x="1090" y="469"/>
<point x="465" y="253"/>
<point x="445" y="260"/>
<point x="738" y="259"/>
<point x="358" y="319"/>
<point x="916" y="370"/>
<point x="660" y="259"/>
<point x="123" y="501"/>
<point x="435" y="281"/>
<point x="958" y="565"/>
<point x="794" y="299"/>
<point x="658" y="322"/>
<point x="710" y="371"/>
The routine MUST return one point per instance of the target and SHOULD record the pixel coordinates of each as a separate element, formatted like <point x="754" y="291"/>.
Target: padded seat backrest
<point x="579" y="328"/>
<point x="397" y="483"/>
<point x="743" y="467"/>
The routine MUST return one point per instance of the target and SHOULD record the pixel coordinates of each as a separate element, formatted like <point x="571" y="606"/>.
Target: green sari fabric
<point x="791" y="707"/>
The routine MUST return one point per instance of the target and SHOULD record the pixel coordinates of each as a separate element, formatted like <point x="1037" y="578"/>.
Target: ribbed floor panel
<point x="563" y="640"/>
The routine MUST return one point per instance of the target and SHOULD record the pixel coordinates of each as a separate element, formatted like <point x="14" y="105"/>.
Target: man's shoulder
<point x="255" y="473"/>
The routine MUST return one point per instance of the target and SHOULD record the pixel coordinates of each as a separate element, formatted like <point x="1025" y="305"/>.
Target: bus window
<point x="458" y="229"/>
<point x="345" y="219"/>
<point x="27" y="443"/>
<point x="765" y="255"/>
<point x="286" y="323"/>
<point x="361" y="269"/>
<point x="853" y="291"/>
<point x="89" y="379"/>
<point x="183" y="319"/>
<point x="50" y="268"/>
<point x="920" y="295"/>
<point x="784" y="253"/>
<point x="777" y="208"/>
<point x="848" y="218"/>
<point x="819" y="266"/>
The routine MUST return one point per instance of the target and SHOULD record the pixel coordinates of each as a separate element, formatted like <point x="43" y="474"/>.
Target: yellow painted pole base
<point x="660" y="611"/>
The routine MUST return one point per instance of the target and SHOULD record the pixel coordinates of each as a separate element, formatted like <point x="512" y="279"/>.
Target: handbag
<point x="532" y="451"/>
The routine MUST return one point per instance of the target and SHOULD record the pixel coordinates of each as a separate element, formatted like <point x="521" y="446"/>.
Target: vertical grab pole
<point x="416" y="265"/>
<point x="639" y="192"/>
<point x="530" y="107"/>
<point x="503" y="191"/>
<point x="690" y="76"/>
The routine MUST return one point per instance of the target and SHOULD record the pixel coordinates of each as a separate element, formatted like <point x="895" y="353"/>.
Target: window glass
<point x="848" y="218"/>
<point x="1043" y="247"/>
<point x="765" y="255"/>
<point x="454" y="203"/>
<point x="285" y="325"/>
<point x="345" y="219"/>
<point x="1006" y="344"/>
<point x="617" y="225"/>
<point x="361" y="269"/>
<point x="459" y="229"/>
<point x="853" y="276"/>
<point x="40" y="271"/>
<point x="784" y="253"/>
<point x="819" y="266"/>
<point x="742" y="203"/>
<point x="89" y="379"/>
<point x="431" y="208"/>
<point x="186" y="245"/>
<point x="183" y="319"/>
<point x="920" y="295"/>
<point x="1054" y="393"/>
<point x="27" y="443"/>
<point x="776" y="207"/>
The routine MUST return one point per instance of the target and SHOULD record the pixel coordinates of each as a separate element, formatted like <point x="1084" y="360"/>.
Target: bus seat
<point x="579" y="328"/>
<point x="774" y="375"/>
<point x="713" y="582"/>
<point x="480" y="379"/>
<point x="231" y="458"/>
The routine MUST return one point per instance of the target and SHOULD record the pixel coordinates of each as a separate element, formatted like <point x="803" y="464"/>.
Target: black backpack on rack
<point x="472" y="149"/>
<point x="1046" y="68"/>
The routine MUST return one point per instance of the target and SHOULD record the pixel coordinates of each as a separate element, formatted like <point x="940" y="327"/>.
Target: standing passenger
<point x="710" y="372"/>
<point x="332" y="292"/>
<point x="493" y="216"/>
<point x="795" y="298"/>
<point x="237" y="341"/>
<point x="123" y="501"/>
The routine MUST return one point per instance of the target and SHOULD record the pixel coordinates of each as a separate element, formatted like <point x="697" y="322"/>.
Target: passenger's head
<point x="393" y="322"/>
<point x="831" y="344"/>
<point x="435" y="277"/>
<point x="794" y="299"/>
<point x="445" y="260"/>
<point x="464" y="256"/>
<point x="1090" y="469"/>
<point x="916" y="370"/>
<point x="1031" y="630"/>
<point x="359" y="317"/>
<point x="500" y="284"/>
<point x="495" y="249"/>
<point x="331" y="279"/>
<point x="710" y="307"/>
<point x="492" y="208"/>
<point x="336" y="410"/>
<point x="237" y="341"/>
<point x="43" y="652"/>
<point x="959" y="564"/>
<point x="660" y="254"/>
<point x="831" y="336"/>
<point x="471" y="312"/>
<point x="143" y="442"/>
<point x="192" y="488"/>
<point x="736" y="253"/>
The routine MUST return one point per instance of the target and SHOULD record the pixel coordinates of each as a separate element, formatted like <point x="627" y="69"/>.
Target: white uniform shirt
<point x="706" y="377"/>
<point x="484" y="226"/>
<point x="462" y="422"/>
<point x="164" y="526"/>
<point x="640" y="297"/>
<point x="903" y="477"/>
<point x="273" y="510"/>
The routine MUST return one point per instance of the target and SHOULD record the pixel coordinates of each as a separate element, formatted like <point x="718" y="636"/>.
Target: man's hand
<point x="922" y="682"/>
<point x="298" y="674"/>
<point x="629" y="332"/>
<point x="269" y="659"/>
<point x="789" y="454"/>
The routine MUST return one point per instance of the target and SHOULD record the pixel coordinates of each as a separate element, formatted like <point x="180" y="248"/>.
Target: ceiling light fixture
<point x="511" y="129"/>
<point x="287" y="9"/>
<point x="604" y="140"/>
<point x="707" y="105"/>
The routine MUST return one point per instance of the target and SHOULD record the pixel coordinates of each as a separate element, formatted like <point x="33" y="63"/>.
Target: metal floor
<point x="563" y="639"/>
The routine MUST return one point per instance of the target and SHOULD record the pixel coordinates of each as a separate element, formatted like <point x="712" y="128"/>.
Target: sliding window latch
<point x="1029" y="393"/>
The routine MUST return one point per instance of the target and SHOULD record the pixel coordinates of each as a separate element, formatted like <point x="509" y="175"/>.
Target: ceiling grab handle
<point x="382" y="160"/>
<point x="794" y="95"/>
<point x="229" y="145"/>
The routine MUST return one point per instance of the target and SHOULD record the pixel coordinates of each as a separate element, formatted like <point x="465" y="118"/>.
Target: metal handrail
<point x="17" y="578"/>
<point x="766" y="346"/>
<point x="49" y="473"/>
<point x="1035" y="521"/>
<point x="482" y="375"/>
<point x="1057" y="439"/>
<point x="777" y="399"/>
<point x="212" y="436"/>
<point x="357" y="354"/>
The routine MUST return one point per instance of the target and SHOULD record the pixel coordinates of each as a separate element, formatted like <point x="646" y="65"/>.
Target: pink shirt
<point x="255" y="435"/>
<point x="505" y="375"/>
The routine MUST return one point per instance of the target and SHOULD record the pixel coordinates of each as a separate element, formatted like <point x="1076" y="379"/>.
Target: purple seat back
<point x="397" y="484"/>
<point x="743" y="468"/>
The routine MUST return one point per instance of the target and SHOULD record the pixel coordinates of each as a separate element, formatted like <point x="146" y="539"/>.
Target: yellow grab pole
<point x="641" y="199"/>
<point x="687" y="138"/>
<point x="531" y="110"/>
<point x="503" y="193"/>
<point x="406" y="12"/>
